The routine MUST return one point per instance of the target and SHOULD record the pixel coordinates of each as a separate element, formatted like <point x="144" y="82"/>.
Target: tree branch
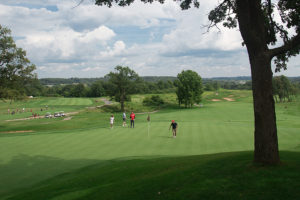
<point x="81" y="1"/>
<point x="289" y="45"/>
<point x="274" y="24"/>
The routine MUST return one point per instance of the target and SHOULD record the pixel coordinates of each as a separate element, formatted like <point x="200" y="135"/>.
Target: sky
<point x="64" y="40"/>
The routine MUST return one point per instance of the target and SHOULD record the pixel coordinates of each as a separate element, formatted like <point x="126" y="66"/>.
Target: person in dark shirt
<point x="174" y="126"/>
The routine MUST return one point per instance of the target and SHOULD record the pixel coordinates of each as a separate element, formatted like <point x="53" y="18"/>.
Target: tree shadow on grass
<point x="24" y="171"/>
<point x="216" y="176"/>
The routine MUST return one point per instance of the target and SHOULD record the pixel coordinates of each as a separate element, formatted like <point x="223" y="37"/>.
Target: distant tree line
<point x="214" y="85"/>
<point x="89" y="81"/>
<point x="162" y="84"/>
<point x="68" y="81"/>
<point x="103" y="88"/>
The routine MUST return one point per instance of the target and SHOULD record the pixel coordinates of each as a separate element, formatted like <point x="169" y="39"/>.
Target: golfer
<point x="112" y="119"/>
<point x="132" y="117"/>
<point x="124" y="119"/>
<point x="174" y="126"/>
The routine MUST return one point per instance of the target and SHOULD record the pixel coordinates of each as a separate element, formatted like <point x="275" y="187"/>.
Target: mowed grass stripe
<point x="68" y="101"/>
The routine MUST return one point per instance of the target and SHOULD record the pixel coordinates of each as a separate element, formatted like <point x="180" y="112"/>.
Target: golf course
<point x="80" y="157"/>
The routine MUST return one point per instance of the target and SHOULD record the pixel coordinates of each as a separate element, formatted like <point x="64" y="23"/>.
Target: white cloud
<point x="65" y="43"/>
<point x="101" y="33"/>
<point x="93" y="69"/>
<point x="191" y="34"/>
<point x="117" y="50"/>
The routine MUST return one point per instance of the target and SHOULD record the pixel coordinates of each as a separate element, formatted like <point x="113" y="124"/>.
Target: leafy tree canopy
<point x="283" y="89"/>
<point x="189" y="88"/>
<point x="15" y="68"/>
<point x="122" y="84"/>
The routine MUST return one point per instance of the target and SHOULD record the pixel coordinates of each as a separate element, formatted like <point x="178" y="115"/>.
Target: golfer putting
<point x="174" y="126"/>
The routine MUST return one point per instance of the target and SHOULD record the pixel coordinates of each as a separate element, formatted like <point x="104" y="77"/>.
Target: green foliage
<point x="283" y="89"/>
<point x="101" y="87"/>
<point x="69" y="81"/>
<point x="154" y="100"/>
<point x="15" y="69"/>
<point x="78" y="91"/>
<point x="212" y="86"/>
<point x="122" y="84"/>
<point x="289" y="13"/>
<point x="96" y="89"/>
<point x="189" y="88"/>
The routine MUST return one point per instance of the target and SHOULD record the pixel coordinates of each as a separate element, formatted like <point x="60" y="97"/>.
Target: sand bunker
<point x="215" y="100"/>
<point x="228" y="99"/>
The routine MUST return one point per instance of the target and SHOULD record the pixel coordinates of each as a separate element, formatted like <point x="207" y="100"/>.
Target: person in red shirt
<point x="132" y="117"/>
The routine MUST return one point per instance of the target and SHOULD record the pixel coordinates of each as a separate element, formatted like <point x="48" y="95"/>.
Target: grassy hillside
<point x="127" y="162"/>
<point x="217" y="176"/>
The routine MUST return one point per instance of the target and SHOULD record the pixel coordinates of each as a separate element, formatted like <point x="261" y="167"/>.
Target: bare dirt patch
<point x="21" y="119"/>
<point x="228" y="99"/>
<point x="215" y="100"/>
<point x="28" y="131"/>
<point x="68" y="118"/>
<point x="72" y="113"/>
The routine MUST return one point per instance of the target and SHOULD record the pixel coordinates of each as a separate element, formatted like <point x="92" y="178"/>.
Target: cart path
<point x="38" y="117"/>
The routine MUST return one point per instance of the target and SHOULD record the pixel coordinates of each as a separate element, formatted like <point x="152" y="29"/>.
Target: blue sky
<point x="63" y="40"/>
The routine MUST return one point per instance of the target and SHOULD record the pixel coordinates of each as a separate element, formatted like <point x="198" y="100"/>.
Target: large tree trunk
<point x="122" y="106"/>
<point x="251" y="24"/>
<point x="266" y="142"/>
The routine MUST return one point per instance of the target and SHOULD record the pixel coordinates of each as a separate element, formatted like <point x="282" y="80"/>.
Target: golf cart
<point x="62" y="113"/>
<point x="48" y="115"/>
<point x="57" y="114"/>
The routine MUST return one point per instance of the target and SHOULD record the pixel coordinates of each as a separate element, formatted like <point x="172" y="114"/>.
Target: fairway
<point x="69" y="102"/>
<point x="56" y="146"/>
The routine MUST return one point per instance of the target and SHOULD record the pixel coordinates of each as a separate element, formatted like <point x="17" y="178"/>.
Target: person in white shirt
<point x="112" y="119"/>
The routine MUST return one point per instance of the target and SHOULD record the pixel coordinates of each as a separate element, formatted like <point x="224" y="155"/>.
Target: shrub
<point x="154" y="100"/>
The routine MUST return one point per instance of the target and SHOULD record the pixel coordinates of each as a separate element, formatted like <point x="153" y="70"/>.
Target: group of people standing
<point x="173" y="124"/>
<point x="132" y="118"/>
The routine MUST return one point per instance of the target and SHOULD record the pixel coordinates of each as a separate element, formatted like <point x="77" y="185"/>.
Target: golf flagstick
<point x="148" y="119"/>
<point x="148" y="128"/>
